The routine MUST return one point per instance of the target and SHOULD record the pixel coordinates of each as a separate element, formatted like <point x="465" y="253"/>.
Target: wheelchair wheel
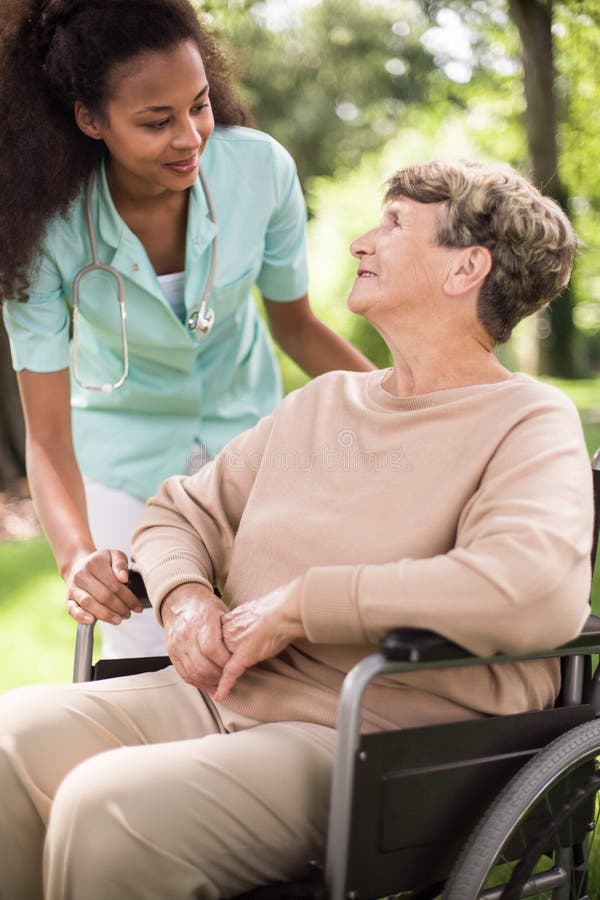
<point x="536" y="839"/>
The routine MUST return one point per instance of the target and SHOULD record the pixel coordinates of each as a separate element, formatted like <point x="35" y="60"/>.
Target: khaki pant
<point x="141" y="789"/>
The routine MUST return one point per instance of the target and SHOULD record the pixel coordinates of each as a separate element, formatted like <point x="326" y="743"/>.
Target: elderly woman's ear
<point x="468" y="270"/>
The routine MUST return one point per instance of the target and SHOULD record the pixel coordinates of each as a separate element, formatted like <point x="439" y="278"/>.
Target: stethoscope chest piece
<point x="201" y="320"/>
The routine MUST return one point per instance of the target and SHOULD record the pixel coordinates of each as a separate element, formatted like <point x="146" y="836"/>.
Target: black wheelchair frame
<point x="497" y="808"/>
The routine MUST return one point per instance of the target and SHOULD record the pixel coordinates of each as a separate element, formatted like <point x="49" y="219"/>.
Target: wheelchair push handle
<point x="136" y="585"/>
<point x="84" y="642"/>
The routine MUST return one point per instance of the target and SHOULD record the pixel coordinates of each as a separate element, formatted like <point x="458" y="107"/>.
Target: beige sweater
<point x="468" y="511"/>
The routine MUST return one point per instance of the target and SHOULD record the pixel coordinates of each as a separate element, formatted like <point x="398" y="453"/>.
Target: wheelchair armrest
<point x="419" y="645"/>
<point x="591" y="627"/>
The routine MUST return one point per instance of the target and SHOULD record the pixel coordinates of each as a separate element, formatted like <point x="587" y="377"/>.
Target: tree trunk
<point x="12" y="429"/>
<point x="533" y="18"/>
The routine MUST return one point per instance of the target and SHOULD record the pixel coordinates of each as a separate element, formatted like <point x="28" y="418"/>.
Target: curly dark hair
<point x="52" y="53"/>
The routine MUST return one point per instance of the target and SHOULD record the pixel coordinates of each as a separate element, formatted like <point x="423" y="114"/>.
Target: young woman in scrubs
<point x="128" y="97"/>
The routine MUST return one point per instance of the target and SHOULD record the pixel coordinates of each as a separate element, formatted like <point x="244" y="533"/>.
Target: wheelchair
<point x="497" y="808"/>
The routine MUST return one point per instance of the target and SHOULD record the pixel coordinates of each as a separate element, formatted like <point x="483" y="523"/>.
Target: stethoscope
<point x="200" y="319"/>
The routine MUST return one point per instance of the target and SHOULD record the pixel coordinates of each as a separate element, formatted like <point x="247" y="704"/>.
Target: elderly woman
<point x="444" y="493"/>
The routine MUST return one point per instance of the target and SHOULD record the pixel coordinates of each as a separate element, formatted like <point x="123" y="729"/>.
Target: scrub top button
<point x="136" y="267"/>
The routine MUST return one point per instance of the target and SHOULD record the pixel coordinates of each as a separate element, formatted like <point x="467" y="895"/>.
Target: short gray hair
<point x="531" y="241"/>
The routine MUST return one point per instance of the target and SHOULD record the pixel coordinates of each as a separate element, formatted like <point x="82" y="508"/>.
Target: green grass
<point x="37" y="636"/>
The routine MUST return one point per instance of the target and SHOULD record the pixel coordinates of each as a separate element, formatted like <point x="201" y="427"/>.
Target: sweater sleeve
<point x="518" y="576"/>
<point x="187" y="530"/>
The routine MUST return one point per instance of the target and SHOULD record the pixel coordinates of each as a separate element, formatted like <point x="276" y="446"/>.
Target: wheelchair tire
<point x="502" y="823"/>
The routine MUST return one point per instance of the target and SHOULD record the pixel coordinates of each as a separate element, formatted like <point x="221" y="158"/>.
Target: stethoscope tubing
<point x="95" y="266"/>
<point x="200" y="319"/>
<point x="203" y="313"/>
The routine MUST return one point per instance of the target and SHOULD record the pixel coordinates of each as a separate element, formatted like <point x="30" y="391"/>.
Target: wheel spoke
<point x="535" y="840"/>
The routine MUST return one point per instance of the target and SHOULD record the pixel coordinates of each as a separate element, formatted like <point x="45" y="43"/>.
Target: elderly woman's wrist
<point x="293" y="609"/>
<point x="185" y="598"/>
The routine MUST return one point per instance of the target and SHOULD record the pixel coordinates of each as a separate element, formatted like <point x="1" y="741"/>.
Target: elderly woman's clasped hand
<point x="211" y="646"/>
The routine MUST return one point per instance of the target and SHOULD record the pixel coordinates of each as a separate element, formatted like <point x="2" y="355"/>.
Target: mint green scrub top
<point x="182" y="387"/>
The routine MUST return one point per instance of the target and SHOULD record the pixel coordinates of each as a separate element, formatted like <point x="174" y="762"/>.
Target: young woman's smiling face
<point x="156" y="122"/>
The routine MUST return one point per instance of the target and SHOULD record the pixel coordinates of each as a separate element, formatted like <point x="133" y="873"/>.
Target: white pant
<point x="112" y="516"/>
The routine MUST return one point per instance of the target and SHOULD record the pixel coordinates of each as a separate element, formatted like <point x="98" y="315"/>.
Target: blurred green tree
<point x="534" y="21"/>
<point x="330" y="80"/>
<point x="557" y="45"/>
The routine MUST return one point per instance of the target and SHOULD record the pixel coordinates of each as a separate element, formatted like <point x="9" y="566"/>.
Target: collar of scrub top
<point x="200" y="319"/>
<point x="202" y="231"/>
